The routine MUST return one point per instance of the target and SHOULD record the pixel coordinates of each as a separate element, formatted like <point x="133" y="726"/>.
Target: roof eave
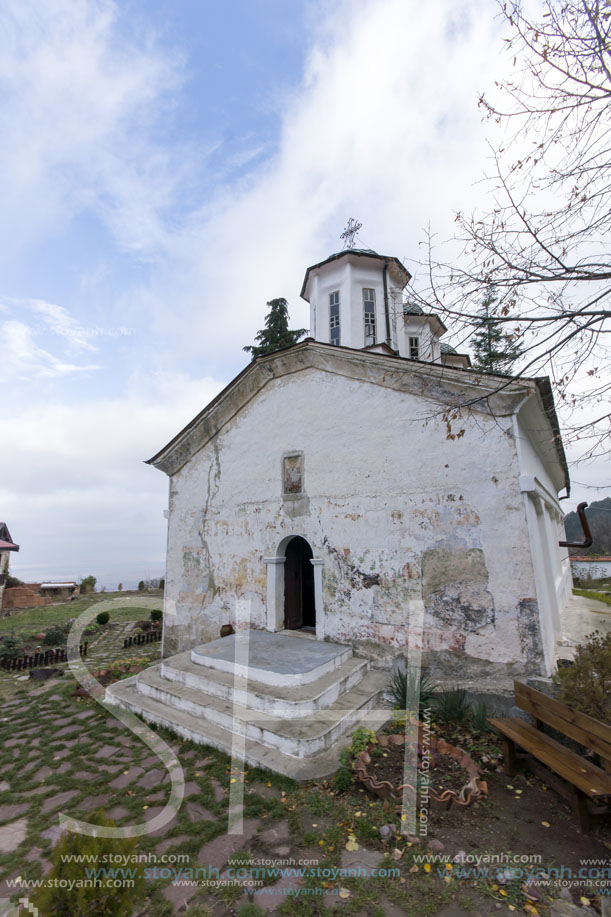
<point x="358" y="254"/>
<point x="544" y="388"/>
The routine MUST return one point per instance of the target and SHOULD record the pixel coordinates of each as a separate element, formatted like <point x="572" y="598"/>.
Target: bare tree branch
<point x="544" y="243"/>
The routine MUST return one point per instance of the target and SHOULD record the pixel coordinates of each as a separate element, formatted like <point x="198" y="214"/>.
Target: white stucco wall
<point x="350" y="277"/>
<point x="418" y="326"/>
<point x="544" y="516"/>
<point x="401" y="517"/>
<point x="4" y="562"/>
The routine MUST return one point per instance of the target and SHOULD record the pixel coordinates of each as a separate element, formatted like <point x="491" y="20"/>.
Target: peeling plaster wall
<point x="404" y="520"/>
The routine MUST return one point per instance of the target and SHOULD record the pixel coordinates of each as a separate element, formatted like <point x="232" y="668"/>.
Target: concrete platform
<point x="581" y="617"/>
<point x="272" y="659"/>
<point x="289" y="704"/>
<point x="293" y="701"/>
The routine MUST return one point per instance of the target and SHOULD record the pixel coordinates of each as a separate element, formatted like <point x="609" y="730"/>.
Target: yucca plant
<point x="479" y="715"/>
<point x="451" y="706"/>
<point x="408" y="686"/>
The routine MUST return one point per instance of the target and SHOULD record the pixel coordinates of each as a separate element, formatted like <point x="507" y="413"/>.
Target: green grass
<point x="34" y="620"/>
<point x="593" y="594"/>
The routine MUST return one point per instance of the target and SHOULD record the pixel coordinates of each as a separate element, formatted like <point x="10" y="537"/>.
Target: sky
<point x="165" y="170"/>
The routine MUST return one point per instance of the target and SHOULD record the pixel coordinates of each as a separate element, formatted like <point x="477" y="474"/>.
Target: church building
<point x="334" y="489"/>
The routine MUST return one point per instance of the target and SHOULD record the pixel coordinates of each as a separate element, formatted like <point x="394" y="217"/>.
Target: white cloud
<point x="60" y="322"/>
<point x="385" y="128"/>
<point x="79" y="99"/>
<point x="21" y="358"/>
<point x="72" y="479"/>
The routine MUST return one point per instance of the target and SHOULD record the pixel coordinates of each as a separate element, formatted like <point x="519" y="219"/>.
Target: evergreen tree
<point x="495" y="351"/>
<point x="276" y="333"/>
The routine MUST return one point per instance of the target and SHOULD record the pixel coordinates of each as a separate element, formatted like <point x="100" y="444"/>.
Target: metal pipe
<point x="586" y="531"/>
<point x="386" y="312"/>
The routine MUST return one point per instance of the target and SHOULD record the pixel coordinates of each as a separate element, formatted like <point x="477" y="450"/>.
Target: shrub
<point x="405" y="685"/>
<point x="362" y="738"/>
<point x="13" y="581"/>
<point x="156" y="614"/>
<point x="88" y="584"/>
<point x="10" y="648"/>
<point x="103" y="617"/>
<point x="162" y="583"/>
<point x="141" y="586"/>
<point x="65" y="895"/>
<point x="451" y="706"/>
<point x="144" y="625"/>
<point x="586" y="685"/>
<point x="54" y="637"/>
<point x="479" y="715"/>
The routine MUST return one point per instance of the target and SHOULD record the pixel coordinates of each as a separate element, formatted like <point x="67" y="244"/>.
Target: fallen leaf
<point x="413" y="868"/>
<point x="545" y="824"/>
<point x="351" y="843"/>
<point x="344" y="893"/>
<point x="427" y="867"/>
<point x="584" y="901"/>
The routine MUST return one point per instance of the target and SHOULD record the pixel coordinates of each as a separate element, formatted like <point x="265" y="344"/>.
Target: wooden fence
<point x="48" y="657"/>
<point x="151" y="637"/>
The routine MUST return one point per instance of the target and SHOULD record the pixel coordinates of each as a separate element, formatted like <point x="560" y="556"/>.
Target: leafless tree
<point x="544" y="244"/>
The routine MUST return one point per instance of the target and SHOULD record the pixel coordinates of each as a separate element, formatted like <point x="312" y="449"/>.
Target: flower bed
<point x="452" y="775"/>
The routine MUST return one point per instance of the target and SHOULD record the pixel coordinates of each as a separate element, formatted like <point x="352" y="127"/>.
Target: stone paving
<point x="61" y="755"/>
<point x="66" y="755"/>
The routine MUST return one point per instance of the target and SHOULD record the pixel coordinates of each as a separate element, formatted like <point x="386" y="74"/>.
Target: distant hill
<point x="598" y="515"/>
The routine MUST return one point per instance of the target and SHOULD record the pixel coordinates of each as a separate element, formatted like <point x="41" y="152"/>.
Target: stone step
<point x="125" y="693"/>
<point x="292" y="702"/>
<point x="276" y="659"/>
<point x="297" y="737"/>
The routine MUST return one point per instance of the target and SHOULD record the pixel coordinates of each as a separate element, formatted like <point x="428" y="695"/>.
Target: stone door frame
<point x="275" y="587"/>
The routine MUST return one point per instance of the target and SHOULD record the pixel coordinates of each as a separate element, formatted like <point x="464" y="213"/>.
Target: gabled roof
<point x="402" y="275"/>
<point x="6" y="542"/>
<point x="446" y="385"/>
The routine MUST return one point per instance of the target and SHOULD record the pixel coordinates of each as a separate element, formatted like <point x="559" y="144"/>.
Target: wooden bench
<point x="583" y="783"/>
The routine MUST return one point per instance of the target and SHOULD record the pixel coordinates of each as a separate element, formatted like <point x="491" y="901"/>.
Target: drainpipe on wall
<point x="386" y="312"/>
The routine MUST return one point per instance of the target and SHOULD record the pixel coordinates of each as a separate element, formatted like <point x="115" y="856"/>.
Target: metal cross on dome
<point x="352" y="227"/>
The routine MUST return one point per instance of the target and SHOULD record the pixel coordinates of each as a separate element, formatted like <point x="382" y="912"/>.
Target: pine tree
<point x="276" y="333"/>
<point x="495" y="351"/>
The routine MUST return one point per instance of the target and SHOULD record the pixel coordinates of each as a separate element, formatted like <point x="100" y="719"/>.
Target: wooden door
<point x="293" y="589"/>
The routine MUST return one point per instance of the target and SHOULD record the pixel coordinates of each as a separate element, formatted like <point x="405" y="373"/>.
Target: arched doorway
<point x="299" y="604"/>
